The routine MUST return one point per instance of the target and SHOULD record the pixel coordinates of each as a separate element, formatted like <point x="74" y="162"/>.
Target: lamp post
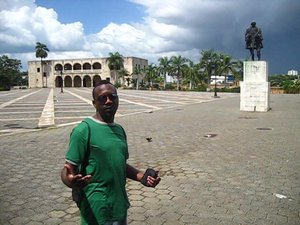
<point x="60" y="69"/>
<point x="219" y="64"/>
<point x="215" y="96"/>
<point x="62" y="82"/>
<point x="209" y="70"/>
<point x="214" y="69"/>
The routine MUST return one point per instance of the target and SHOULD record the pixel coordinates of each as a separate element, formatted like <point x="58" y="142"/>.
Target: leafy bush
<point x="4" y="88"/>
<point x="201" y="87"/>
<point x="291" y="87"/>
<point x="289" y="83"/>
<point x="170" y="87"/>
<point x="232" y="90"/>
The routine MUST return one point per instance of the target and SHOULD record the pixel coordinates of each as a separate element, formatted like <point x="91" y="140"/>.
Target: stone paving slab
<point x="218" y="166"/>
<point x="49" y="107"/>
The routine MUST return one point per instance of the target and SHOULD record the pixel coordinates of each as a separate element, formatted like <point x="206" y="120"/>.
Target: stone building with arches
<point x="76" y="72"/>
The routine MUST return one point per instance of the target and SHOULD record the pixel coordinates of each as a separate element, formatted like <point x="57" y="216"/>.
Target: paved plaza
<point x="27" y="110"/>
<point x="218" y="165"/>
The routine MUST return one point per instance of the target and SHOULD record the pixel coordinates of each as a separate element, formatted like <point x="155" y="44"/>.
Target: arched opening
<point x="58" y="81"/>
<point x="68" y="81"/>
<point x="96" y="80"/>
<point x="86" y="81"/>
<point x="87" y="66"/>
<point x="77" y="66"/>
<point x="97" y="66"/>
<point x="77" y="81"/>
<point x="67" y="66"/>
<point x="58" y="67"/>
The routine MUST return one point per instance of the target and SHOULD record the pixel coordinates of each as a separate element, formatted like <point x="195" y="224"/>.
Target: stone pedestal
<point x="255" y="89"/>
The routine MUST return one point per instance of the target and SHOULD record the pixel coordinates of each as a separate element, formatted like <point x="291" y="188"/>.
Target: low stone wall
<point x="277" y="90"/>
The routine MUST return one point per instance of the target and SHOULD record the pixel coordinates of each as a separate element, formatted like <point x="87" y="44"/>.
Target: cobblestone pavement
<point x="27" y="110"/>
<point x="218" y="166"/>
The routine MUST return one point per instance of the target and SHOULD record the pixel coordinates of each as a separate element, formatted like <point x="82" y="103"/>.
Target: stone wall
<point x="76" y="71"/>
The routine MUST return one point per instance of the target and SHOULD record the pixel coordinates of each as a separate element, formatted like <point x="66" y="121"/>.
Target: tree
<point x="192" y="74"/>
<point x="9" y="72"/>
<point x="238" y="73"/>
<point x="137" y="71"/>
<point x="115" y="63"/>
<point x="124" y="74"/>
<point x="226" y="65"/>
<point x="289" y="83"/>
<point x="220" y="64"/>
<point x="164" y="67"/>
<point x="151" y="74"/>
<point x="23" y="78"/>
<point x="41" y="51"/>
<point x="178" y="65"/>
<point x="208" y="62"/>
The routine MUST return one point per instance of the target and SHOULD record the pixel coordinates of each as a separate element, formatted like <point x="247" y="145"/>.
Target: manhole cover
<point x="264" y="128"/>
<point x="178" y="109"/>
<point x="247" y="117"/>
<point x="210" y="135"/>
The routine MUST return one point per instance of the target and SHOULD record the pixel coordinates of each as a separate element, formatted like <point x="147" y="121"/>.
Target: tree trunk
<point x="42" y="72"/>
<point x="137" y="83"/>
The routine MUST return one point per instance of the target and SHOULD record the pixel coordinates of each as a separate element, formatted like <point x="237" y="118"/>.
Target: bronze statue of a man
<point x="253" y="38"/>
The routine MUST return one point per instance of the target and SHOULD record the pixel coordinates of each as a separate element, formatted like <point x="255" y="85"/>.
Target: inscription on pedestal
<point x="255" y="71"/>
<point x="255" y="89"/>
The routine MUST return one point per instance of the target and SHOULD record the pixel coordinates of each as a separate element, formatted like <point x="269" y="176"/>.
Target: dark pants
<point x="257" y="53"/>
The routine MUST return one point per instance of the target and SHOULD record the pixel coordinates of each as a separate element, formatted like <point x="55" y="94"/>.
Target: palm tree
<point x="137" y="71"/>
<point x="178" y="65"/>
<point x="164" y="67"/>
<point x="208" y="62"/>
<point x="124" y="74"/>
<point x="238" y="73"/>
<point x="227" y="65"/>
<point x="41" y="51"/>
<point x="115" y="63"/>
<point x="151" y="74"/>
<point x="192" y="74"/>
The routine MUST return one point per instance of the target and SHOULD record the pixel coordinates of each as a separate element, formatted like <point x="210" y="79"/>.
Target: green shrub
<point x="4" y="88"/>
<point x="201" y="87"/>
<point x="291" y="87"/>
<point x="170" y="87"/>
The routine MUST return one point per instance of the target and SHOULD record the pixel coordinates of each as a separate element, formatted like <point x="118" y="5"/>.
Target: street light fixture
<point x="219" y="63"/>
<point x="60" y="69"/>
<point x="214" y="69"/>
<point x="215" y="96"/>
<point x="209" y="70"/>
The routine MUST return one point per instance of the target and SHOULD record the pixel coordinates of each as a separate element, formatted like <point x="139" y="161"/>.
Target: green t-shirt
<point x="105" y="197"/>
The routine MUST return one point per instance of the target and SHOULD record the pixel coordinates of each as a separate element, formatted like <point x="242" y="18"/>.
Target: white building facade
<point x="292" y="72"/>
<point x="76" y="72"/>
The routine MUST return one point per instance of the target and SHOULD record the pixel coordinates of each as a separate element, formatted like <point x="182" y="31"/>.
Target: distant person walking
<point x="98" y="150"/>
<point x="254" y="38"/>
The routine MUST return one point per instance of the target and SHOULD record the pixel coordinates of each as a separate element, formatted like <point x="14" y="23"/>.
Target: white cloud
<point x="15" y="4"/>
<point x="170" y="27"/>
<point x="21" y="27"/>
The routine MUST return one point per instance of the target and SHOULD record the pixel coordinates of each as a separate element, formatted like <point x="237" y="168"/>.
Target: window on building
<point x="38" y="69"/>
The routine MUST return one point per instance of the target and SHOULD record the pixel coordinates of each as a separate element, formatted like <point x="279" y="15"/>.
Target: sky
<point x="150" y="29"/>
